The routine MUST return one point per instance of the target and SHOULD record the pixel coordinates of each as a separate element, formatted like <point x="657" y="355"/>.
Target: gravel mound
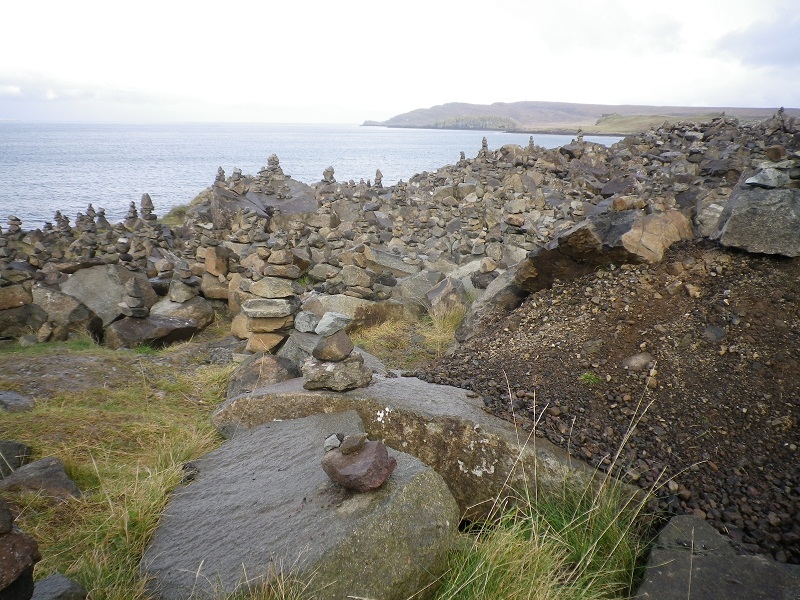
<point x="700" y="352"/>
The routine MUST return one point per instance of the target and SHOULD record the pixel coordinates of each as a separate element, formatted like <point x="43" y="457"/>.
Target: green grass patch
<point x="576" y="543"/>
<point x="124" y="446"/>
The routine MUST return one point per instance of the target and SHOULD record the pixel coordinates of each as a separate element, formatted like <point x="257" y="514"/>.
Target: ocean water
<point x="46" y="167"/>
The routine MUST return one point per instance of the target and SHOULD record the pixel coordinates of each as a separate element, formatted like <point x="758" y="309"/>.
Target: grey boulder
<point x="261" y="503"/>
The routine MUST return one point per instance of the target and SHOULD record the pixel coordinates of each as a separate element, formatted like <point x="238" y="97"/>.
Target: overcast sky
<point x="348" y="61"/>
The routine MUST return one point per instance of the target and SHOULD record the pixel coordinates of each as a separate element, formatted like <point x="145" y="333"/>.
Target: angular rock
<point x="690" y="559"/>
<point x="650" y="236"/>
<point x="263" y="342"/>
<point x="217" y="260"/>
<point x="102" y="289"/>
<point x="19" y="552"/>
<point x="273" y="287"/>
<point x="212" y="288"/>
<point x="347" y="374"/>
<point x="14" y="296"/>
<point x="769" y="178"/>
<point x="477" y="454"/>
<point x="333" y="348"/>
<point x="155" y="329"/>
<point x="306" y="322"/>
<point x="260" y="371"/>
<point x="58" y="587"/>
<point x="331" y="322"/>
<point x="364" y="470"/>
<point x="66" y="311"/>
<point x="412" y="289"/>
<point x="261" y="501"/>
<point x="379" y="261"/>
<point x="448" y="292"/>
<point x="762" y="220"/>
<point x="502" y="294"/>
<point x="181" y="292"/>
<point x="46" y="475"/>
<point x="16" y="322"/>
<point x="196" y="309"/>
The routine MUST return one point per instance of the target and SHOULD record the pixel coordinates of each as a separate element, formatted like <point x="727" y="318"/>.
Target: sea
<point x="45" y="167"/>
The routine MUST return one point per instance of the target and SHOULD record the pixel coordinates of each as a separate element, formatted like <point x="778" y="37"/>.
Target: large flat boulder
<point x="102" y="289"/>
<point x="262" y="502"/>
<point x="476" y="453"/>
<point x="690" y="559"/>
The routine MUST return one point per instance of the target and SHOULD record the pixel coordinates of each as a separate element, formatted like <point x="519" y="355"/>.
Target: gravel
<point x="683" y="377"/>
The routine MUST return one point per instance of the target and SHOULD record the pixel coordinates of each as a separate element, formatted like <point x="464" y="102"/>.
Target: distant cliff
<point x="563" y="117"/>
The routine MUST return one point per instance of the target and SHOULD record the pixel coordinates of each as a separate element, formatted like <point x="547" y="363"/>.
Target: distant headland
<point x="564" y="117"/>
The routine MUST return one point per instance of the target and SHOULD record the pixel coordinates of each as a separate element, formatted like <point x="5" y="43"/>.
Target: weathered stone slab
<point x="268" y="308"/>
<point x="15" y="402"/>
<point x="690" y="559"/>
<point x="476" y="453"/>
<point x="262" y="501"/>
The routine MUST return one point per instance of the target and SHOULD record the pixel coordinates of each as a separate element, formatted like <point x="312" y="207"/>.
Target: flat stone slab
<point x="14" y="402"/>
<point x="478" y="454"/>
<point x="262" y="503"/>
<point x="691" y="559"/>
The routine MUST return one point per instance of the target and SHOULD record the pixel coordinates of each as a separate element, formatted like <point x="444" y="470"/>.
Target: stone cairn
<point x="333" y="364"/>
<point x="133" y="304"/>
<point x="356" y="463"/>
<point x="268" y="297"/>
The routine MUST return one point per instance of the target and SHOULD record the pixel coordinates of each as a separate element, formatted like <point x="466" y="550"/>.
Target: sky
<point x="351" y="60"/>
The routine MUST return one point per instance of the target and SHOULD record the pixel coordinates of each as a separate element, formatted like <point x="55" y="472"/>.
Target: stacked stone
<point x="215" y="270"/>
<point x="269" y="298"/>
<point x="134" y="304"/>
<point x="184" y="285"/>
<point x="334" y="364"/>
<point x="356" y="463"/>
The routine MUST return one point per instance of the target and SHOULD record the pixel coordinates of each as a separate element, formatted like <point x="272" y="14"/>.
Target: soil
<point x="706" y="412"/>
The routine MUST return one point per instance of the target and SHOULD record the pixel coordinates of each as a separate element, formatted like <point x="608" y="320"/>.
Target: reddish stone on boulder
<point x="361" y="471"/>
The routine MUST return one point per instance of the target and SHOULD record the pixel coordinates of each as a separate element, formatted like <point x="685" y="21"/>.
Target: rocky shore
<point x="661" y="273"/>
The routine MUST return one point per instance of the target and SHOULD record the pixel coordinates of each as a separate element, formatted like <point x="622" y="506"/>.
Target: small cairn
<point x="133" y="305"/>
<point x="184" y="285"/>
<point x="356" y="463"/>
<point x="267" y="315"/>
<point x="333" y="364"/>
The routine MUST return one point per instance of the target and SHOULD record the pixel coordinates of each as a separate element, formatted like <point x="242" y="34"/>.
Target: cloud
<point x="10" y="90"/>
<point x="766" y="43"/>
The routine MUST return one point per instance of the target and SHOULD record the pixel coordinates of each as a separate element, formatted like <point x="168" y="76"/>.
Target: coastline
<point x="533" y="130"/>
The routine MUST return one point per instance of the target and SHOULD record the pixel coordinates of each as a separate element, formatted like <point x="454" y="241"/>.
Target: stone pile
<point x="476" y="219"/>
<point x="333" y="364"/>
<point x="356" y="463"/>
